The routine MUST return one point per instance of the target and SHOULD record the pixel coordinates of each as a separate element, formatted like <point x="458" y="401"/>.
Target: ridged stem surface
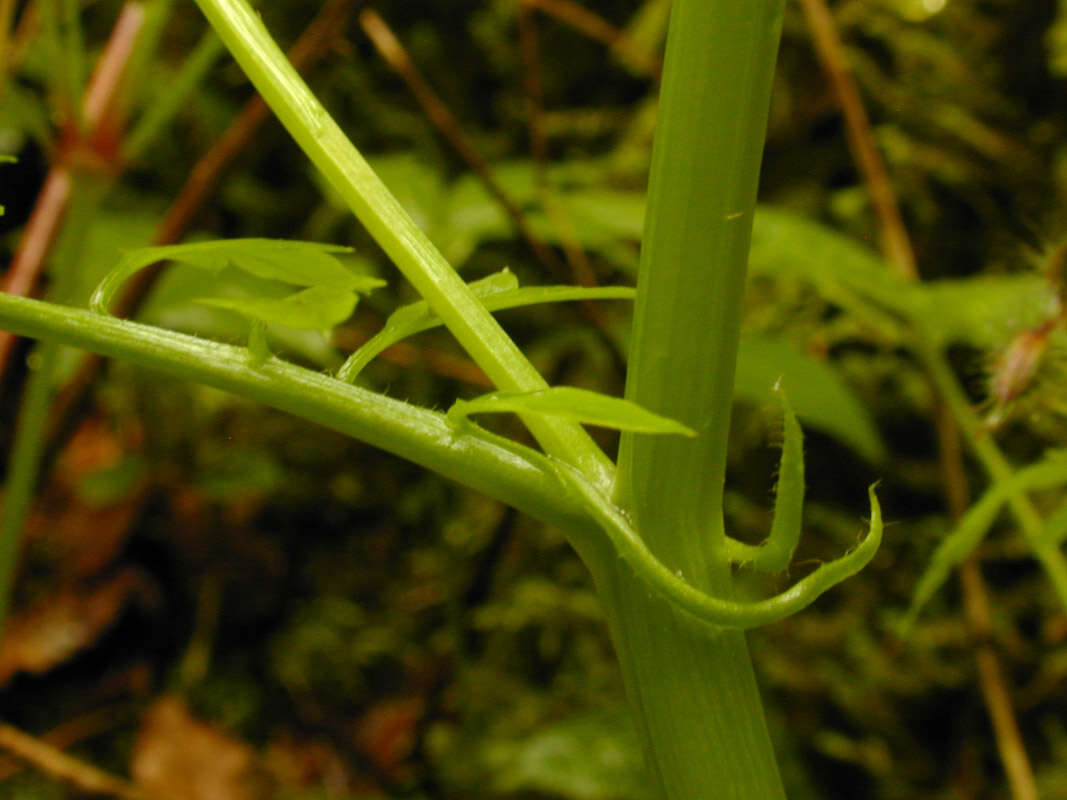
<point x="692" y="687"/>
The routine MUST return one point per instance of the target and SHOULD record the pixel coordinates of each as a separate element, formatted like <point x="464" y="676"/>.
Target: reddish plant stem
<point x="576" y="256"/>
<point x="97" y="151"/>
<point x="394" y="54"/>
<point x="900" y="255"/>
<point x="898" y="251"/>
<point x="532" y="86"/>
<point x="995" y="692"/>
<point x="312" y="44"/>
<point x="896" y="244"/>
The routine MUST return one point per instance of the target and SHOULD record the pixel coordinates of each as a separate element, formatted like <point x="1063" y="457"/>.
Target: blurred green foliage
<point x="348" y="582"/>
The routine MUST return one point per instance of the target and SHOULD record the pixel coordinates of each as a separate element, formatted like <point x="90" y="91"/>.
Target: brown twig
<point x="596" y="27"/>
<point x="896" y="244"/>
<point x="1009" y="739"/>
<point x="575" y="254"/>
<point x="66" y="735"/>
<point x="312" y="44"/>
<point x="900" y="254"/>
<point x="532" y="87"/>
<point x="53" y="761"/>
<point x="103" y="98"/>
<point x="394" y="54"/>
<point x="94" y="151"/>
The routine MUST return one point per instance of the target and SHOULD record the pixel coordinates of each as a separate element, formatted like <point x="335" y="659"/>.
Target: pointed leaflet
<point x="299" y="263"/>
<point x="723" y="612"/>
<point x="497" y="291"/>
<point x="631" y="548"/>
<point x="413" y="318"/>
<point x="1049" y="473"/>
<point x="577" y="405"/>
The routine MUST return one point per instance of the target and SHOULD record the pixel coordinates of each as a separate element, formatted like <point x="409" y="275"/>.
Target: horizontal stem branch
<point x="420" y="435"/>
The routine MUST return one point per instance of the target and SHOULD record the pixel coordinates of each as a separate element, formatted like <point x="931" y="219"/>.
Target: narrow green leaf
<point x="317" y="308"/>
<point x="577" y="405"/>
<point x="413" y="318"/>
<point x="786" y="244"/>
<point x="1049" y="473"/>
<point x="776" y="553"/>
<point x="497" y="292"/>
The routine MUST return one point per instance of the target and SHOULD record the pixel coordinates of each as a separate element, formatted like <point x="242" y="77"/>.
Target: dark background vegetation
<point x="337" y="623"/>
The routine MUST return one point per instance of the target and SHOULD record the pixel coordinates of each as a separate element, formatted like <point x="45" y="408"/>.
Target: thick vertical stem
<point x="692" y="687"/>
<point x="693" y="695"/>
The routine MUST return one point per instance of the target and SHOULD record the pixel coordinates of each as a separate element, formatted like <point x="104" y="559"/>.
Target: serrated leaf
<point x="317" y="308"/>
<point x="299" y="263"/>
<point x="576" y="405"/>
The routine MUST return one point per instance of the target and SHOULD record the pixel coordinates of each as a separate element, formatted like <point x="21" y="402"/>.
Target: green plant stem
<point x="693" y="689"/>
<point x="422" y="436"/>
<point x="996" y="466"/>
<point x="422" y="264"/>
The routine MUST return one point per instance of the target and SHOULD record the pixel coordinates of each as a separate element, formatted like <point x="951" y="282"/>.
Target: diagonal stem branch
<point x="374" y="205"/>
<point x="896" y="244"/>
<point x="419" y="435"/>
